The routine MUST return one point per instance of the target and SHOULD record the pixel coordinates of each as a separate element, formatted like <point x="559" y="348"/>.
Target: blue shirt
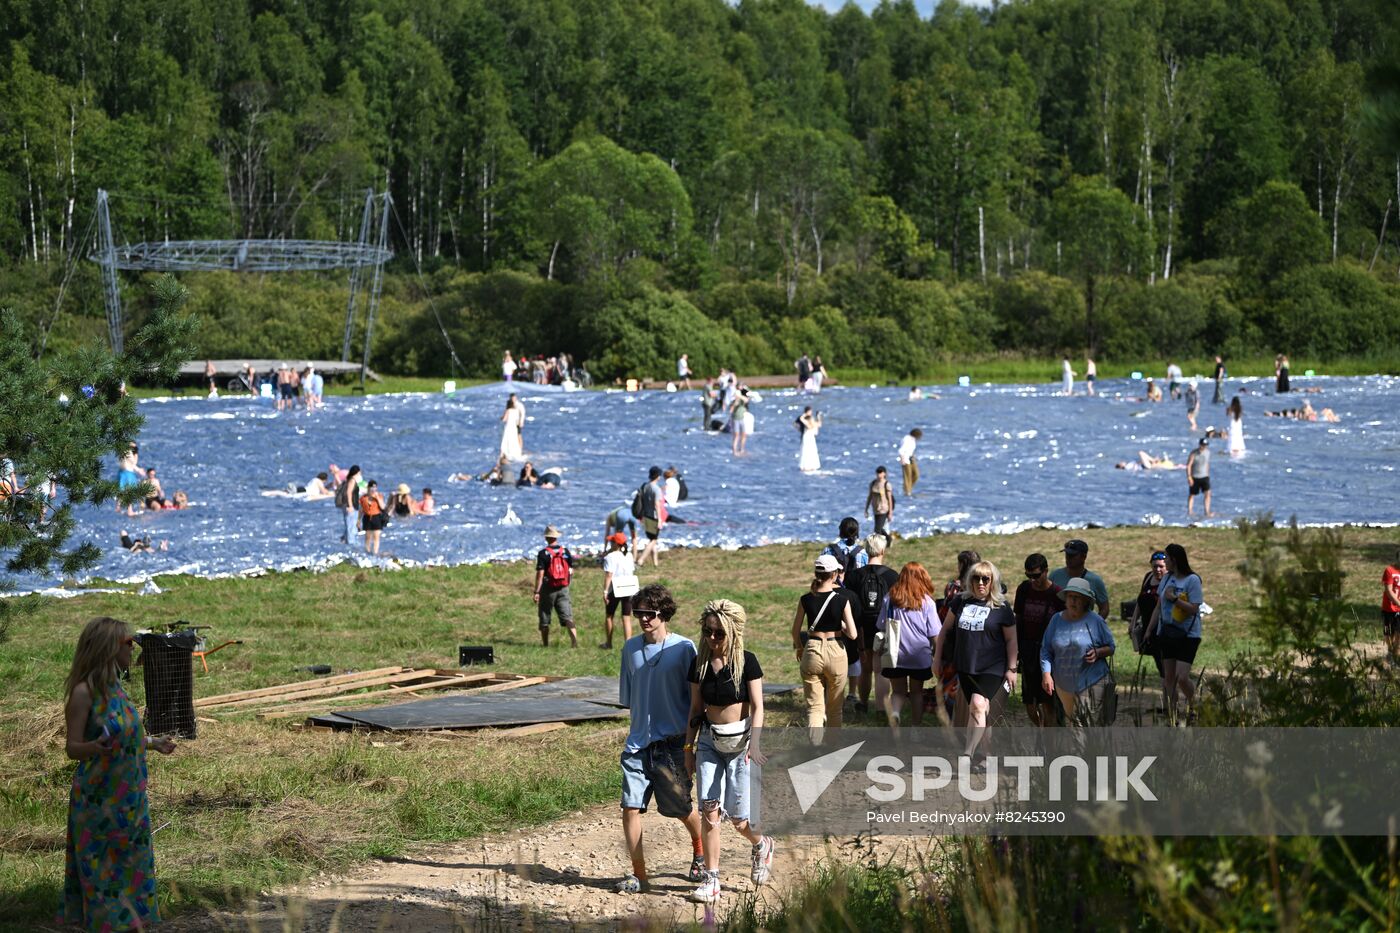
<point x="654" y="684"/>
<point x="1189" y="587"/>
<point x="842" y="552"/>
<point x="1062" y="652"/>
<point x="1061" y="575"/>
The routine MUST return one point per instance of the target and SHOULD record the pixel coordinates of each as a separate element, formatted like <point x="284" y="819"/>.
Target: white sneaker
<point x="708" y="892"/>
<point x="762" y="860"/>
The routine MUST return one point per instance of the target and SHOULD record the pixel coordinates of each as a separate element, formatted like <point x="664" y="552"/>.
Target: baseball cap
<point x="826" y="564"/>
<point x="1075" y="546"/>
<point x="617" y="538"/>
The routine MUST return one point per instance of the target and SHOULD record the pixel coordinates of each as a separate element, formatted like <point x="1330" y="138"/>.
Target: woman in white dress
<point x="809" y="461"/>
<point x="507" y="367"/>
<point x="1236" y="412"/>
<point x="513" y="432"/>
<point x="819" y="375"/>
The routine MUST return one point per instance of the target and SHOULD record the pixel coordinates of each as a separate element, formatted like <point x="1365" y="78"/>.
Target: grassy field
<point x="1018" y="369"/>
<point x="252" y="803"/>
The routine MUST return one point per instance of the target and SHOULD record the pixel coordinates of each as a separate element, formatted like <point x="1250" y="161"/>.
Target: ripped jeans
<point x="724" y="778"/>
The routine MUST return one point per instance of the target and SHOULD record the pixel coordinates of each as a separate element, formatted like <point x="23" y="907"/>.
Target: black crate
<point x="476" y="654"/>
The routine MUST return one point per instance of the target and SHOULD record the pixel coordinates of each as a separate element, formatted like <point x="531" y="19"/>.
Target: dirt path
<point x="557" y="875"/>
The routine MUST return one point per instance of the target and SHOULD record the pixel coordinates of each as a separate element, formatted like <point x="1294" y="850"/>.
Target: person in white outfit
<point x="809" y="461"/>
<point x="1067" y="373"/>
<point x="507" y="367"/>
<point x="1236" y="432"/>
<point x="513" y="430"/>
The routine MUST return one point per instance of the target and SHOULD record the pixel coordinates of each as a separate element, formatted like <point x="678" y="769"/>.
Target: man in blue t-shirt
<point x="654" y="684"/>
<point x="1076" y="552"/>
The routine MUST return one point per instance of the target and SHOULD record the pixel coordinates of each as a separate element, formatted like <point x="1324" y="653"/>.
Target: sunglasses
<point x="1159" y="556"/>
<point x="716" y="633"/>
<point x="980" y="578"/>
<point x="1034" y="575"/>
<point x="641" y="614"/>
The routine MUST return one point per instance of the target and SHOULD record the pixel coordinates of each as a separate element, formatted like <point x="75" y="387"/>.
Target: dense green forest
<point x="628" y="179"/>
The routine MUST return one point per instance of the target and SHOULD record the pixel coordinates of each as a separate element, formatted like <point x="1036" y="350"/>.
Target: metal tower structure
<point x="248" y="256"/>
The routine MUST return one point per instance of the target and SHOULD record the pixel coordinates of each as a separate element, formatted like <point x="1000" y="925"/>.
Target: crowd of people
<point x="556" y="370"/>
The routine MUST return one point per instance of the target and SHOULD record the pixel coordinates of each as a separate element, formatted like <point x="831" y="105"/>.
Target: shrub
<point x="644" y="335"/>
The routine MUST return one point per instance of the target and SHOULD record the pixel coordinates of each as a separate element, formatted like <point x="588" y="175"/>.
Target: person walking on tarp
<point x="554" y="568"/>
<point x="654" y="684"/>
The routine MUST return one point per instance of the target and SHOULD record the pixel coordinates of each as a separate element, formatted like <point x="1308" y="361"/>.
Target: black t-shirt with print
<point x="832" y="620"/>
<point x="979" y="635"/>
<point x="720" y="689"/>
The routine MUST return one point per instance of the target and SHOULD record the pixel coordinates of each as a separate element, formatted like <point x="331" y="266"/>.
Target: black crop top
<point x="833" y="620"/>
<point x="720" y="689"/>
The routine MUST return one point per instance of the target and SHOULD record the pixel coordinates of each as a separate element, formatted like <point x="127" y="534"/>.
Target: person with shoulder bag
<point x="1142" y="626"/>
<point x="726" y="723"/>
<point x="1072" y="660"/>
<point x="1180" y="597"/>
<point x="908" y="627"/>
<point x="826" y="610"/>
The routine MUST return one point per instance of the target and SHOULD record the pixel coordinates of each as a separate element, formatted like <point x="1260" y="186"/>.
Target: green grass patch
<point x="1013" y="368"/>
<point x="255" y="803"/>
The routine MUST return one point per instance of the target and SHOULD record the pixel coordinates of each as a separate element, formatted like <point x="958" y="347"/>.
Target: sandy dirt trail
<point x="556" y="876"/>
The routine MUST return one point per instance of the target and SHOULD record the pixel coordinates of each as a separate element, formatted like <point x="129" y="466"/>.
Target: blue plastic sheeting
<point x="993" y="458"/>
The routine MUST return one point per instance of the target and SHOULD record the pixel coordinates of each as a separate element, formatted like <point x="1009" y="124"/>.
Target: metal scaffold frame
<point x="251" y="256"/>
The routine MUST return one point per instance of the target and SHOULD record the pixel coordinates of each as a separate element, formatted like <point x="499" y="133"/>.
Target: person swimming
<point x="1306" y="413"/>
<point x="138" y="545"/>
<point x="1146" y="461"/>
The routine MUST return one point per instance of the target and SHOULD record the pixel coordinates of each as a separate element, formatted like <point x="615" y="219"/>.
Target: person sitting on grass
<point x="654" y="686"/>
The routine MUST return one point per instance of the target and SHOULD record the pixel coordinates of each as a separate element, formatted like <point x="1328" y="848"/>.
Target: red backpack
<point x="558" y="572"/>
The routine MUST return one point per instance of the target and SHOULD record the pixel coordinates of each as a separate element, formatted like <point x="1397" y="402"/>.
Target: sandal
<point x="632" y="885"/>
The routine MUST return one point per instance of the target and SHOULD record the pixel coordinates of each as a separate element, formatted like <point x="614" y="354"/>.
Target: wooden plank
<point x="298" y="685"/>
<point x="510" y="685"/>
<point x="401" y="678"/>
<point x="536" y="729"/>
<point x="311" y="705"/>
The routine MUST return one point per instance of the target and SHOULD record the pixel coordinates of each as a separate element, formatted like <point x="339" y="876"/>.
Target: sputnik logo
<point x="811" y="778"/>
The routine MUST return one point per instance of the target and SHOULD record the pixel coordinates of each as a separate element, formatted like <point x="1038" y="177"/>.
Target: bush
<point x="1332" y="310"/>
<point x="644" y="335"/>
<point x="1039" y="313"/>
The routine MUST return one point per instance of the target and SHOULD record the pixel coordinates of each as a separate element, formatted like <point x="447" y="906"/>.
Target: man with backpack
<point x="649" y="505"/>
<point x="869" y="584"/>
<point x="554" y="568"/>
<point x="848" y="550"/>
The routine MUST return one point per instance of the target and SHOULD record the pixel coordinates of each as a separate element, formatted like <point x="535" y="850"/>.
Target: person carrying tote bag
<point x="909" y="625"/>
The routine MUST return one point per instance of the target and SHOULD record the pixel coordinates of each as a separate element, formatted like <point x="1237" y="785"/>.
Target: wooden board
<point x="298" y="685"/>
<point x="447" y="683"/>
<point x="404" y="677"/>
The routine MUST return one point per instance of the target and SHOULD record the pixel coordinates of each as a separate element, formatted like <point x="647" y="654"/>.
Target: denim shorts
<point x="722" y="777"/>
<point x="657" y="770"/>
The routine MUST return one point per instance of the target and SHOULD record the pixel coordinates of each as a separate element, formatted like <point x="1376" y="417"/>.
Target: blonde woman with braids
<point x="726" y="719"/>
<point x="109" y="881"/>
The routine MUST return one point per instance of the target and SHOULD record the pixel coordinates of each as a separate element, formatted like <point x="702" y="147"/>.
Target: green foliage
<point x="700" y="145"/>
<point x="1273" y="231"/>
<point x="58" y="419"/>
<point x="1328" y="309"/>
<point x="646" y="334"/>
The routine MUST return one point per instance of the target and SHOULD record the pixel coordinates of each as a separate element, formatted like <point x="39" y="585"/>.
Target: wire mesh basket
<point x="167" y="662"/>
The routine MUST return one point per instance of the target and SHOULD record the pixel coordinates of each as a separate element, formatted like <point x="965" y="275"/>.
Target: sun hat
<point x="1080" y="587"/>
<point x="826" y="564"/>
<point x="403" y="489"/>
<point x="551" y="532"/>
<point x="617" y="538"/>
<point x="1075" y="546"/>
